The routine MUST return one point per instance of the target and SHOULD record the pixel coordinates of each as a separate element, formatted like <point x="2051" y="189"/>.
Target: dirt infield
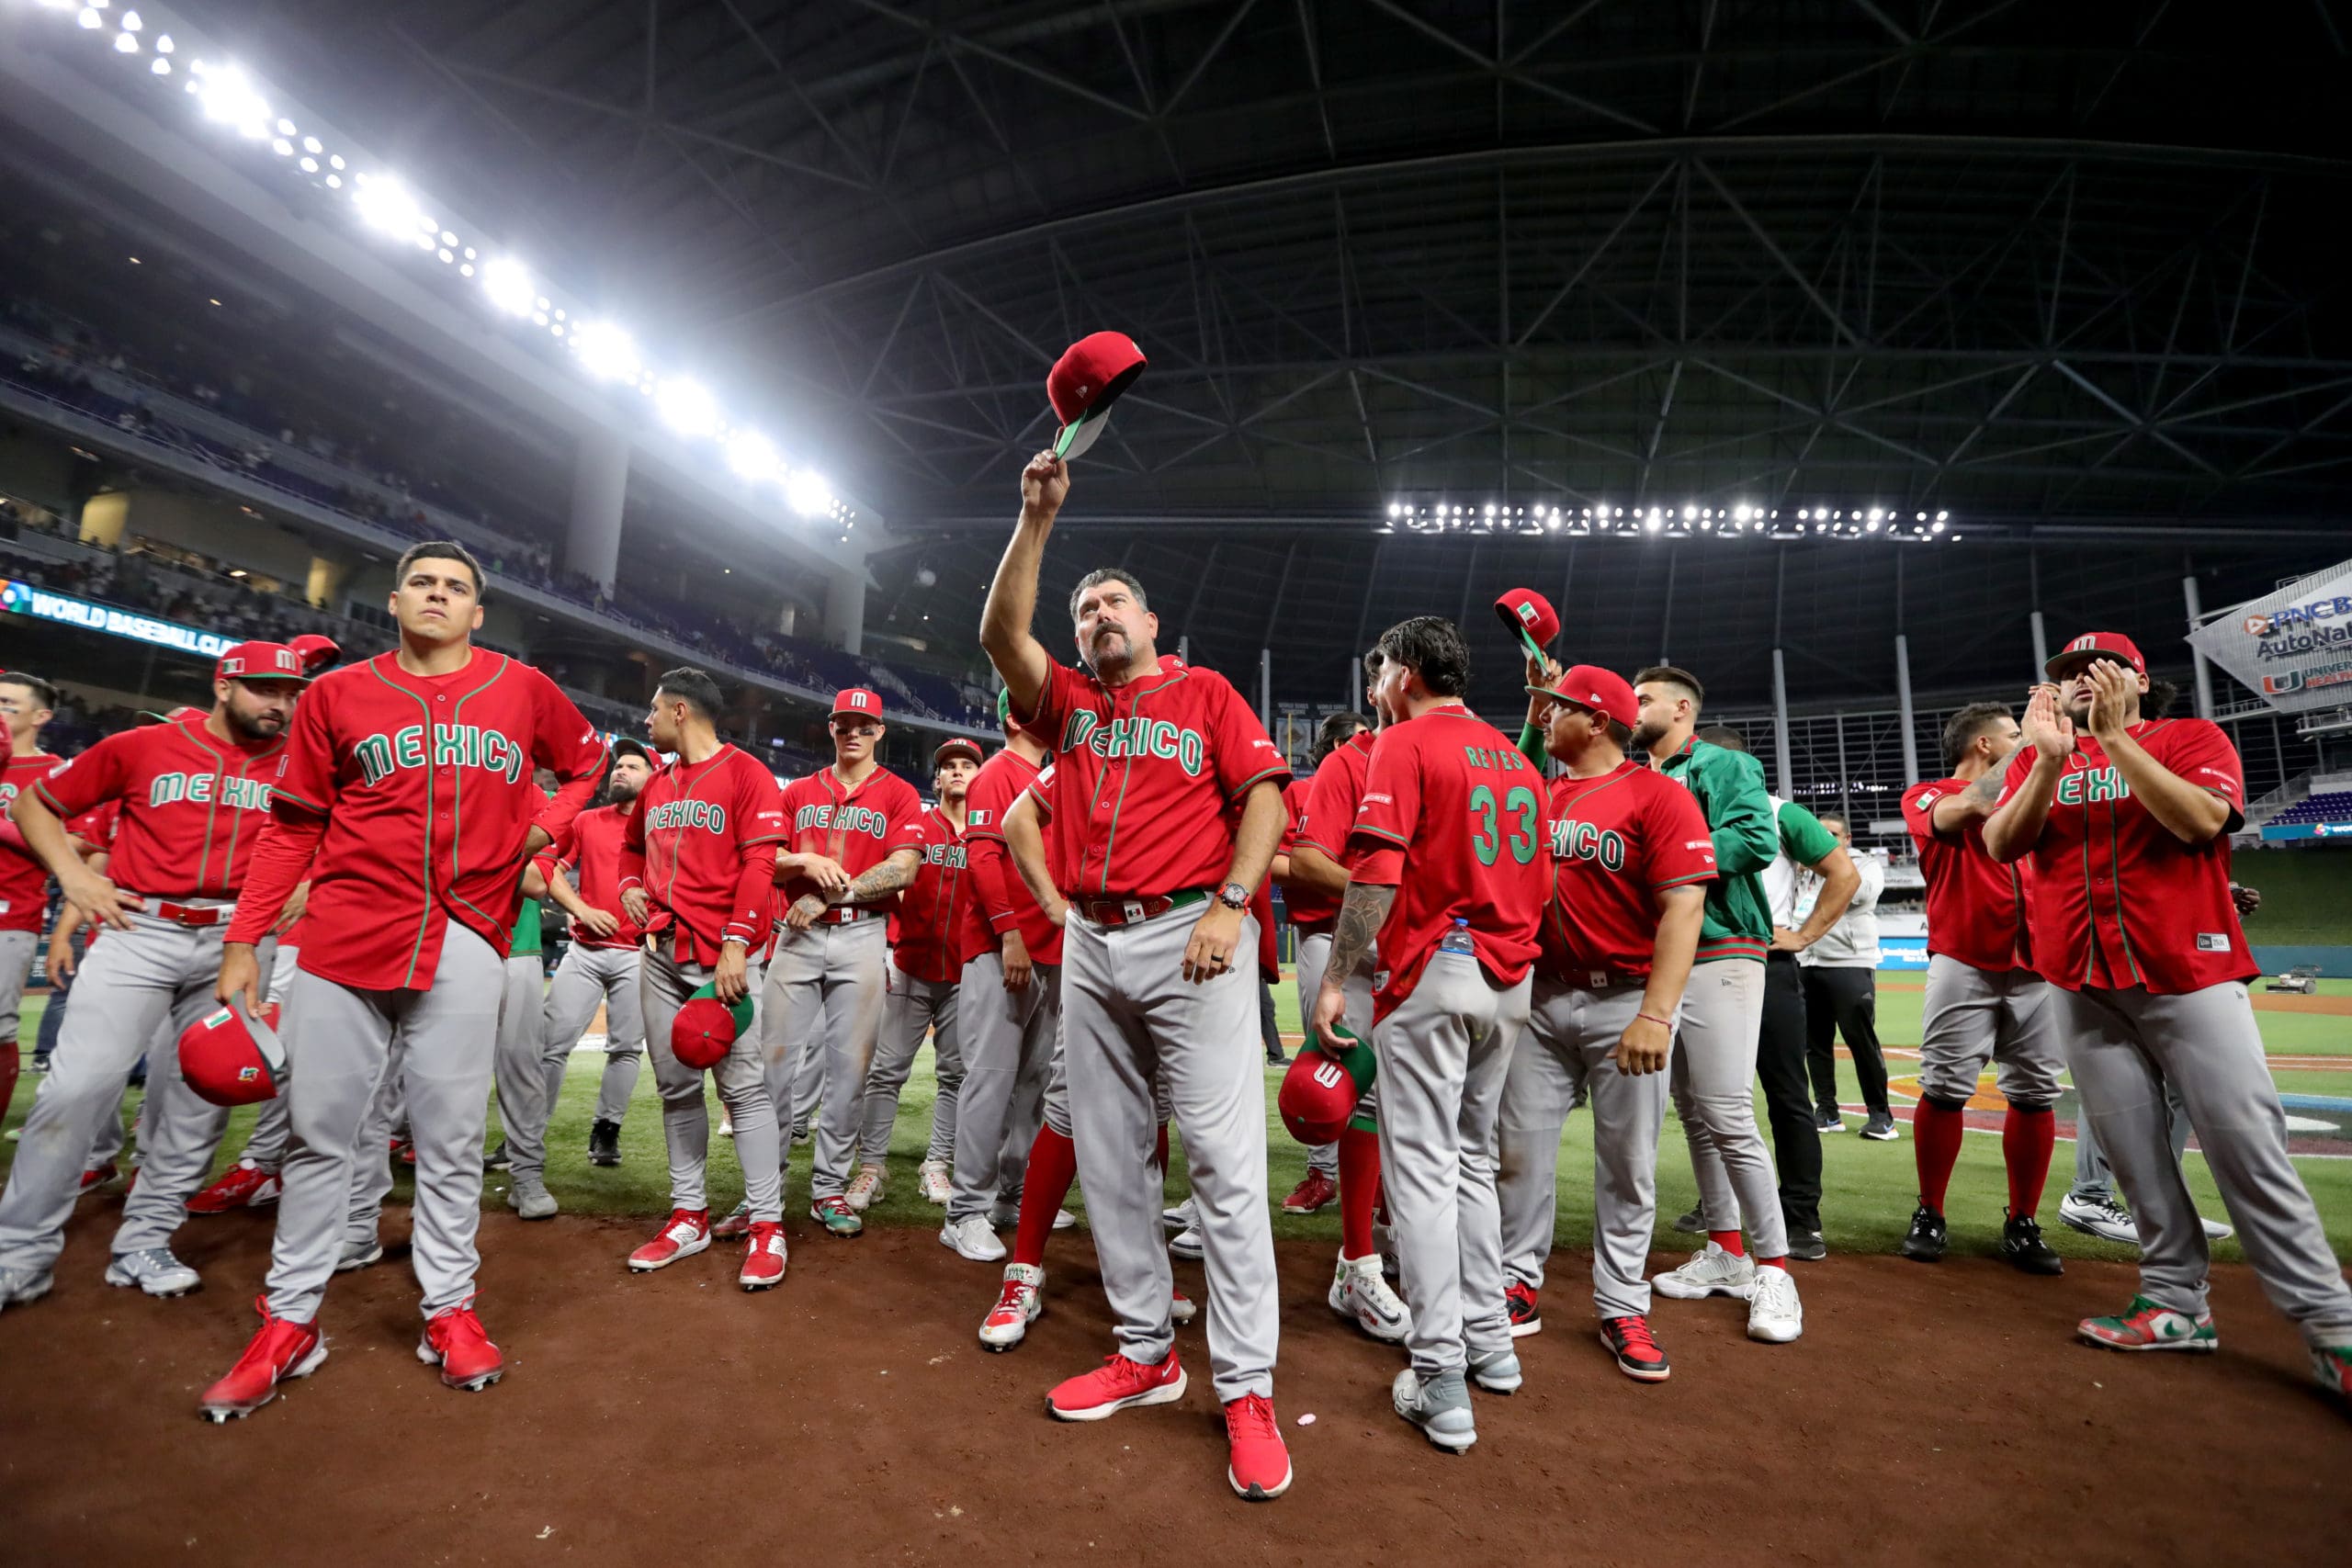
<point x="1930" y="1414"/>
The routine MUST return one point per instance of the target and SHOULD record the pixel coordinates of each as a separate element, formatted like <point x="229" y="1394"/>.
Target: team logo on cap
<point x="1527" y="612"/>
<point x="2087" y="640"/>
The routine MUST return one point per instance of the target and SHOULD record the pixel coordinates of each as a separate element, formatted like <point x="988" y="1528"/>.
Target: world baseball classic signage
<point x="24" y="599"/>
<point x="2293" y="647"/>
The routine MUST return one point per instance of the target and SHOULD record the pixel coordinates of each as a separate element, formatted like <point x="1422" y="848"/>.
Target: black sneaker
<point x="2023" y="1249"/>
<point x="1827" y="1120"/>
<point x="1692" y="1224"/>
<point x="605" y="1143"/>
<point x="1926" y="1241"/>
<point x="496" y="1159"/>
<point x="1806" y="1247"/>
<point x="1879" y="1128"/>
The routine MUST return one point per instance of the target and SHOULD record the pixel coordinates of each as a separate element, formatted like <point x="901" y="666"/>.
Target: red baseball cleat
<point x="1017" y="1306"/>
<point x="1637" y="1354"/>
<point x="281" y="1352"/>
<point x="686" y="1232"/>
<point x="1113" y="1386"/>
<point x="1526" y="1313"/>
<point x="1315" y="1193"/>
<point x="1259" y="1468"/>
<point x="1181" y="1307"/>
<point x="241" y="1186"/>
<point x="764" y="1258"/>
<point x="97" y="1176"/>
<point x="455" y="1342"/>
<point x="735" y="1224"/>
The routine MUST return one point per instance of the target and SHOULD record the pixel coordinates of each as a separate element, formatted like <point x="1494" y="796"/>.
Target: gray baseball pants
<point x="519" y="1069"/>
<point x="371" y="1161"/>
<point x="587" y="976"/>
<point x="1446" y="1053"/>
<point x="1127" y="1013"/>
<point x="2005" y="1015"/>
<point x="1712" y="1080"/>
<point x="340" y="1045"/>
<point x="824" y="995"/>
<point x="1562" y="1061"/>
<point x="1314" y="957"/>
<point x="1009" y="1040"/>
<point x="2125" y="1046"/>
<point x="266" y="1149"/>
<point x="744" y="1077"/>
<point x="2093" y="1178"/>
<point x="16" y="951"/>
<point x="910" y="1010"/>
<point x="154" y="979"/>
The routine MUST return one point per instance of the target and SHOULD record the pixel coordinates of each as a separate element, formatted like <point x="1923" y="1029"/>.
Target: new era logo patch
<point x="2212" y="942"/>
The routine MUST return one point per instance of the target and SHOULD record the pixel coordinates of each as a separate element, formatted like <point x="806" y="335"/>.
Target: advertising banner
<point x="2292" y="647"/>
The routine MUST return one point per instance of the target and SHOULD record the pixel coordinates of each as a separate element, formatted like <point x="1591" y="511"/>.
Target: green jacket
<point x="1730" y="789"/>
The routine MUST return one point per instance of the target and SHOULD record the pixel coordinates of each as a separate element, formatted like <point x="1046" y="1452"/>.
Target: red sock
<point x="1779" y="1263"/>
<point x="1359" y="1190"/>
<point x="1053" y="1166"/>
<point x="1935" y="1146"/>
<point x="1159" y="1151"/>
<point x="1729" y="1241"/>
<point x="8" y="1066"/>
<point x="2027" y="1134"/>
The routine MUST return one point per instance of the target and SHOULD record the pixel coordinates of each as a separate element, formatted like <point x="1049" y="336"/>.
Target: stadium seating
<point x="2333" y="807"/>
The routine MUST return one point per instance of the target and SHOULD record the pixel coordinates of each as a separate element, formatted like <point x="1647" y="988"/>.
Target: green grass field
<point x="1869" y="1187"/>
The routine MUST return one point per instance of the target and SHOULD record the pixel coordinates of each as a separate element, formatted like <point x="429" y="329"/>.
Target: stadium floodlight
<point x="229" y="98"/>
<point x="386" y="207"/>
<point x="806" y="491"/>
<point x="605" y="352"/>
<point x="752" y="457"/>
<point x="126" y="44"/>
<point x="163" y="44"/>
<point x="162" y="67"/>
<point x="89" y="18"/>
<point x="686" y="406"/>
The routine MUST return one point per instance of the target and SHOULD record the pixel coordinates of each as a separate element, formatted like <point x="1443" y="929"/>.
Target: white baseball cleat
<point x="1064" y="1219"/>
<point x="1188" y="1244"/>
<point x="971" y="1238"/>
<point x="935" y="1182"/>
<point x="2102" y="1217"/>
<point x="1774" y="1314"/>
<point x="359" y="1252"/>
<point x="1440" y="1407"/>
<point x="154" y="1270"/>
<point x="1361" y="1293"/>
<point x="864" y="1188"/>
<point x="1713" y="1272"/>
<point x="2215" y="1230"/>
<point x="18" y="1286"/>
<point x="1181" y="1308"/>
<point x="1498" y="1371"/>
<point x="1180" y="1217"/>
<point x="1017" y="1306"/>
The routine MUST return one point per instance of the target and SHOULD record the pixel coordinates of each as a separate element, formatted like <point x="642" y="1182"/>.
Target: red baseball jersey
<point x="1154" y="768"/>
<point x="191" y="806"/>
<point x="592" y="849"/>
<point x="1000" y="898"/>
<point x="413" y="795"/>
<point x="1618" y="839"/>
<point x="1453" y="819"/>
<point x="1324" y="818"/>
<point x="1976" y="906"/>
<point x="2116" y="900"/>
<point x="24" y="880"/>
<point x="926" y="935"/>
<point x="701" y="842"/>
<point x="860" y="826"/>
<point x="1310" y="911"/>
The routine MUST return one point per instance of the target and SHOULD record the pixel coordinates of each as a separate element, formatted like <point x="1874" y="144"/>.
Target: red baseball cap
<point x="1085" y="381"/>
<point x="231" y="1058"/>
<point x="1589" y="686"/>
<point x="1319" y="1092"/>
<point x="706" y="1029"/>
<point x="958" y="747"/>
<point x="262" y="661"/>
<point x="318" y="653"/>
<point x="856" y="700"/>
<point x="1530" y="616"/>
<point x="2072" y="658"/>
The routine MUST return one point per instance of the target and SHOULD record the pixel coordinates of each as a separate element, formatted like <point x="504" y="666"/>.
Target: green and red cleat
<point x="2145" y="1325"/>
<point x="2332" y="1367"/>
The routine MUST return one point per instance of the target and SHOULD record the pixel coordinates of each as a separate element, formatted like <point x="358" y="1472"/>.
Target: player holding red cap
<point x="697" y="872"/>
<point x="1631" y="861"/>
<point x="408" y="780"/>
<point x="926" y="965"/>
<point x="854" y="837"/>
<point x="191" y="797"/>
<point x="1448" y="864"/>
<point x="1182" y="809"/>
<point x="2126" y="818"/>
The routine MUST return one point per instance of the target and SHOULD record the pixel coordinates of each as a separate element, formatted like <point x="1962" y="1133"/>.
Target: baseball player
<point x="1983" y="997"/>
<point x="1712" y="1072"/>
<point x="697" y="873"/>
<point x="1448" y="864"/>
<point x="1183" y="810"/>
<point x="600" y="968"/>
<point x="407" y="780"/>
<point x="926" y="963"/>
<point x="26" y="703"/>
<point x="853" y="840"/>
<point x="192" y="796"/>
<point x="1008" y="1011"/>
<point x="1631" y="861"/>
<point x="2126" y="820"/>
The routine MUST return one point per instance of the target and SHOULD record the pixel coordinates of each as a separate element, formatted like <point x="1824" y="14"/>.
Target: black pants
<point x="1844" y="1001"/>
<point x="1788" y="1107"/>
<point x="1266" y="1025"/>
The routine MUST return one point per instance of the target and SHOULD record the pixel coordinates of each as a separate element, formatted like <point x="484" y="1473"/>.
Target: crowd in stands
<point x="65" y="370"/>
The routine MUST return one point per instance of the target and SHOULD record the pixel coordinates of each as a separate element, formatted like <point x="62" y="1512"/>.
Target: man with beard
<point x="192" y="794"/>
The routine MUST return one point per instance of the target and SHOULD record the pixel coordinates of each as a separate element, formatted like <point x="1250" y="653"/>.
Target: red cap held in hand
<point x="1530" y="614"/>
<point x="230" y="1057"/>
<point x="706" y="1029"/>
<point x="1319" y="1092"/>
<point x="1085" y="381"/>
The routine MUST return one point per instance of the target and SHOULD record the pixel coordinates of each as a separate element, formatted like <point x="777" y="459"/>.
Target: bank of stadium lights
<point x="1682" y="520"/>
<point x="226" y="97"/>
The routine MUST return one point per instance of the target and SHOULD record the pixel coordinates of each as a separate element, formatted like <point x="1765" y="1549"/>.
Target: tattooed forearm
<point x="1362" y="914"/>
<point x="897" y="872"/>
<point x="1986" y="791"/>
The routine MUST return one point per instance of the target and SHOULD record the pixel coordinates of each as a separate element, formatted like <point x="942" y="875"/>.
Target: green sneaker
<point x="2331" y="1365"/>
<point x="2145" y="1325"/>
<point x="837" y="1217"/>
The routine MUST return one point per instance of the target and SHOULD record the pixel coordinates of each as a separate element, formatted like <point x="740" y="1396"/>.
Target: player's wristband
<point x="1661" y="1022"/>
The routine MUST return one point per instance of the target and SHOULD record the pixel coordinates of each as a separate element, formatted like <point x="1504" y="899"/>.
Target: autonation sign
<point x="2294" y="647"/>
<point x="24" y="599"/>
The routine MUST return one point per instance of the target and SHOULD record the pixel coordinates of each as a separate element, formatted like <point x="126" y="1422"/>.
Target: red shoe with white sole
<point x="456" y="1342"/>
<point x="241" y="1186"/>
<point x="764" y="1258"/>
<point x="1116" y="1385"/>
<point x="281" y="1352"/>
<point x="1017" y="1306"/>
<point x="1181" y="1307"/>
<point x="686" y="1233"/>
<point x="1259" y="1468"/>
